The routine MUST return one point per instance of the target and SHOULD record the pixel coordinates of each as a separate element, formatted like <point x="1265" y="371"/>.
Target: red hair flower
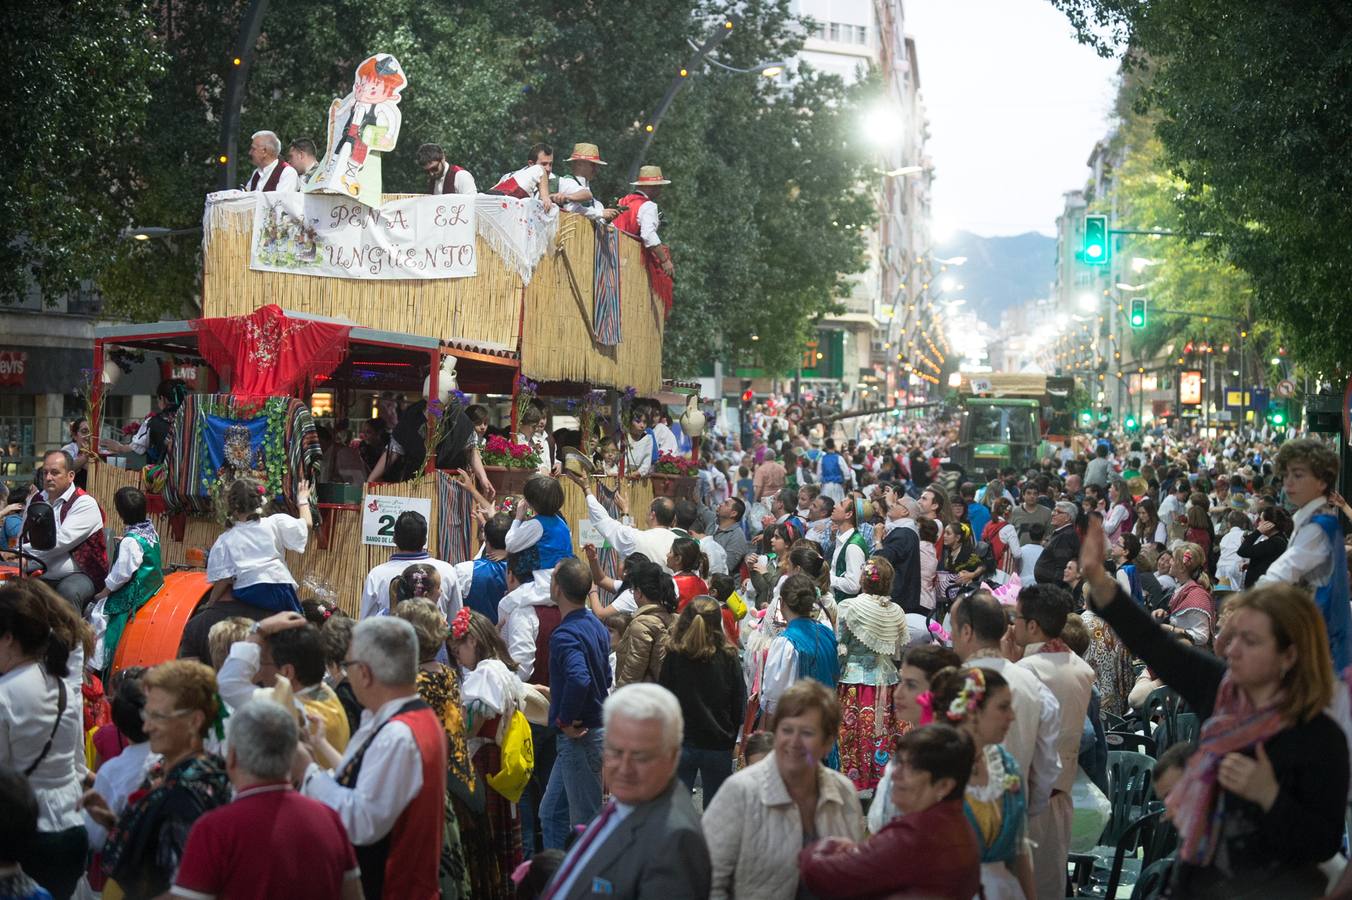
<point x="460" y="624"/>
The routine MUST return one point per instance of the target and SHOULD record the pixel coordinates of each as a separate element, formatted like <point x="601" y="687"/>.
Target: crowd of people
<point x="843" y="668"/>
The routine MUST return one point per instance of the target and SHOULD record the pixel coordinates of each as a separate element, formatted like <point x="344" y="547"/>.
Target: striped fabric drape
<point x="455" y="527"/>
<point x="606" y="286"/>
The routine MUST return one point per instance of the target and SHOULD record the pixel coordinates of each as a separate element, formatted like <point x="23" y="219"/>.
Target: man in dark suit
<point x="1062" y="546"/>
<point x="647" y="842"/>
<point x="900" y="546"/>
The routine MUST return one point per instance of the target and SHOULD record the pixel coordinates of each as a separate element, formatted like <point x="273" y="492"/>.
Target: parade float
<point x="353" y="293"/>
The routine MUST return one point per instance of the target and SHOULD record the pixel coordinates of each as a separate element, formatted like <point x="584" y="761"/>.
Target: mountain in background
<point x="1000" y="272"/>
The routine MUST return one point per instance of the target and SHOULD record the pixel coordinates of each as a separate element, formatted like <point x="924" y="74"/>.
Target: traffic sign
<point x="1286" y="388"/>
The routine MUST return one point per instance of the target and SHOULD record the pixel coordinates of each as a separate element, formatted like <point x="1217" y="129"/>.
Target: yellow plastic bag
<point x="737" y="605"/>
<point x="518" y="759"/>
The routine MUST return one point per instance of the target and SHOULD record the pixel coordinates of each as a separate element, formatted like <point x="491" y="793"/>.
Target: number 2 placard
<point x="380" y="513"/>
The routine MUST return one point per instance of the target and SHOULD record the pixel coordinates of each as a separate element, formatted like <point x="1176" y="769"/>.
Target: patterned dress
<point x="440" y="689"/>
<point x="1111" y="661"/>
<point x="870" y="635"/>
<point x="493" y="838"/>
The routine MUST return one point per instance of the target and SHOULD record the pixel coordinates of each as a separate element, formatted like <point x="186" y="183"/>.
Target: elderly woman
<point x="766" y="813"/>
<point x="1262" y="801"/>
<point x="146" y="842"/>
<point x="930" y="851"/>
<point x="42" y="652"/>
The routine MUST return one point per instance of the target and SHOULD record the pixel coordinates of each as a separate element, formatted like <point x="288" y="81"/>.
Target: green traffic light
<point x="1278" y="418"/>
<point x="1138" y="321"/>
<point x="1095" y="240"/>
<point x="1130" y="422"/>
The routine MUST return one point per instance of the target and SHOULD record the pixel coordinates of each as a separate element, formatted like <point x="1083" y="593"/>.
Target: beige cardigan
<point x="754" y="832"/>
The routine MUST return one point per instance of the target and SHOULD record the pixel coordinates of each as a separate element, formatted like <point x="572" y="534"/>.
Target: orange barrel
<point x="153" y="636"/>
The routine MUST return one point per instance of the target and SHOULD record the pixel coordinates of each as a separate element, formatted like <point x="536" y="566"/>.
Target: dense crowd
<point x="843" y="668"/>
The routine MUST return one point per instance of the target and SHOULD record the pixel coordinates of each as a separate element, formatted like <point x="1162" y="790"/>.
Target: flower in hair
<point x="969" y="697"/>
<point x="926" y="703"/>
<point x="460" y="624"/>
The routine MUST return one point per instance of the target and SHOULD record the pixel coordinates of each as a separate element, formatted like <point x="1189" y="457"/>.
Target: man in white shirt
<point x="575" y="191"/>
<point x="1038" y="624"/>
<point x="850" y="553"/>
<point x="979" y="623"/>
<point x="392" y="777"/>
<point x="300" y="153"/>
<point x="442" y="177"/>
<point x="78" y="563"/>
<point x="654" y="542"/>
<point x="271" y="172"/>
<point x="531" y="181"/>
<point x="687" y="514"/>
<point x="410" y="541"/>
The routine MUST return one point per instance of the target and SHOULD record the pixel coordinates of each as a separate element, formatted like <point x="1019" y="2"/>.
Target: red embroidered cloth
<point x="267" y="353"/>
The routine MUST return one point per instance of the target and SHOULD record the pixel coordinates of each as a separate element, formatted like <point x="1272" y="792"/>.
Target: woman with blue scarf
<point x="805" y="649"/>
<point x="977" y="701"/>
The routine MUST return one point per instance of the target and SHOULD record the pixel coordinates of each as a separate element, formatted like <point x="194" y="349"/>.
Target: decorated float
<point x="349" y="294"/>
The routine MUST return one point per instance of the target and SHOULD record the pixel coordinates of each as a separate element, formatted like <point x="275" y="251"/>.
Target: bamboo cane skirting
<point x="346" y="562"/>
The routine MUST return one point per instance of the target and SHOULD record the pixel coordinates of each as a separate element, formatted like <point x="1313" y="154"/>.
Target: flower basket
<point x="676" y="487"/>
<point x="508" y="479"/>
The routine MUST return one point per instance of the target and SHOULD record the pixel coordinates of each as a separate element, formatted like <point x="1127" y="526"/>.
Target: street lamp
<point x="699" y="54"/>
<point x="902" y="172"/>
<point x="954" y="261"/>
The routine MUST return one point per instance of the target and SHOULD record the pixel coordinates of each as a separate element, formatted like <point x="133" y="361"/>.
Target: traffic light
<point x="1095" y="251"/>
<point x="1086" y="417"/>
<point x="1277" y="414"/>
<point x="1129" y="423"/>
<point x="1137" y="317"/>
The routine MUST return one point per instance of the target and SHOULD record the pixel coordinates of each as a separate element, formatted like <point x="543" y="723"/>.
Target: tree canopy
<point x="1253" y="116"/>
<point x="764" y="215"/>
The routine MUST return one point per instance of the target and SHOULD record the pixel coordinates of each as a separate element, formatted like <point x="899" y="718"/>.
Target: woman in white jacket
<point x="765" y="814"/>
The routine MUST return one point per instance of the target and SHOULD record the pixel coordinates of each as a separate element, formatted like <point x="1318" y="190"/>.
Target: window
<point x="861" y="34"/>
<point x="835" y="31"/>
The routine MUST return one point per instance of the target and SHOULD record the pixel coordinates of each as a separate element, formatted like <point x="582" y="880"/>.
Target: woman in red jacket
<point x="930" y="851"/>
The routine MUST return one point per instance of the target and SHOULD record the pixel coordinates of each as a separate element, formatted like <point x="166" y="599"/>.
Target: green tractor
<point x="998" y="432"/>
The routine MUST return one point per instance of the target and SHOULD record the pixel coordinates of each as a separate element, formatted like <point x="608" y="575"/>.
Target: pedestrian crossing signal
<point x="1137" y="317"/>
<point x="1095" y="250"/>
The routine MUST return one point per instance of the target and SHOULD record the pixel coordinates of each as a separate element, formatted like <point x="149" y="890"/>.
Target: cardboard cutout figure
<point x="362" y="125"/>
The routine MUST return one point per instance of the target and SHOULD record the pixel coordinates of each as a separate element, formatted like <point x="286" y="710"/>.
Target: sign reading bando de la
<point x="337" y="237"/>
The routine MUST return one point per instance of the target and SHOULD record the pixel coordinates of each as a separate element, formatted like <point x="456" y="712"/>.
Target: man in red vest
<point x="443" y="177"/>
<point x="389" y="788"/>
<point x="271" y="172"/>
<point x="531" y="181"/>
<point x="78" y="563"/>
<point x="639" y="217"/>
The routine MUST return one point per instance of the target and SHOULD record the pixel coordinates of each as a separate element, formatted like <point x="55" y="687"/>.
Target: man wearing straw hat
<point x="575" y="192"/>
<point x="640" y="217"/>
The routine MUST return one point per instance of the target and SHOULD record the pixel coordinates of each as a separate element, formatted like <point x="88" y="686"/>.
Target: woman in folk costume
<point x="978" y="701"/>
<point x="803" y="559"/>
<point x="640" y="217"/>
<point x="134" y="577"/>
<point x="871" y="634"/>
<point x="490" y="693"/>
<point x="805" y="649"/>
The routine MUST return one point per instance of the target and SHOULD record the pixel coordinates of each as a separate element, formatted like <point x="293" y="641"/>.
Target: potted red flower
<point x="509" y="465"/>
<point x="674" y="476"/>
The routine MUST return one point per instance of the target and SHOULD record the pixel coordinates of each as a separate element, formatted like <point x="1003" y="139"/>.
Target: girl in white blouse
<point x="43" y="644"/>
<point x="249" y="559"/>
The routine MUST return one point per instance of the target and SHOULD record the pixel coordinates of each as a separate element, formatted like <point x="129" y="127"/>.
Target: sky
<point x="1015" y="106"/>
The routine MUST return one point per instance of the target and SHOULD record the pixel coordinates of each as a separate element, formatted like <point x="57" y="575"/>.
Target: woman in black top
<point x="1265" y="543"/>
<point x="701" y="668"/>
<point x="1261" y="803"/>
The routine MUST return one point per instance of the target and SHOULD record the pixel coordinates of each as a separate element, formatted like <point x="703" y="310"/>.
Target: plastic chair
<point x="1186" y="728"/>
<point x="1136" y="836"/>
<point x="1153" y="880"/>
<point x="1164" y="705"/>
<point x="1129" y="778"/>
<point x="1130" y="740"/>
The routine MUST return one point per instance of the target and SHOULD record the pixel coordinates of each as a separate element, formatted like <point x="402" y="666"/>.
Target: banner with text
<point x="330" y="236"/>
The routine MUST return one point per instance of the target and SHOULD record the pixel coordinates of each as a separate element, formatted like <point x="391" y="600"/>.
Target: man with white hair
<point x="389" y="787"/>
<point x="1062" y="546"/>
<point x="271" y="172"/>
<point x="232" y="851"/>
<point x="647" y="841"/>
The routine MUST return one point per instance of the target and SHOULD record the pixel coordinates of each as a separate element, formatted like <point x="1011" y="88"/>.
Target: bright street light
<point x="947" y="284"/>
<point x="1088" y="302"/>
<point x="1140" y="263"/>
<point x="955" y="261"/>
<point x="1122" y="286"/>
